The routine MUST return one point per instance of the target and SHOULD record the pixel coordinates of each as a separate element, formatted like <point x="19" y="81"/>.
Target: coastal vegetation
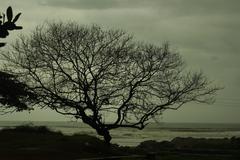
<point x="39" y="142"/>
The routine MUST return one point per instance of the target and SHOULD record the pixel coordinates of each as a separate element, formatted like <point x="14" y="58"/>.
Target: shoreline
<point x="27" y="142"/>
<point x="131" y="137"/>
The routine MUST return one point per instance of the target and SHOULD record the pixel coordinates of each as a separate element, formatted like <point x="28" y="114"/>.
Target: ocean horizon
<point x="131" y="137"/>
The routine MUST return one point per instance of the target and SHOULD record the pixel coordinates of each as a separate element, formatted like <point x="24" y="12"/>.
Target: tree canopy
<point x="88" y="72"/>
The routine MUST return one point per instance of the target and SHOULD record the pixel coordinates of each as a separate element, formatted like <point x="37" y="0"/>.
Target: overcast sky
<point x="205" y="32"/>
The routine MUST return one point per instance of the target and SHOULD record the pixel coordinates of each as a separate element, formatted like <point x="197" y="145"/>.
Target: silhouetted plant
<point x="30" y="129"/>
<point x="14" y="95"/>
<point x="88" y="72"/>
<point x="9" y="24"/>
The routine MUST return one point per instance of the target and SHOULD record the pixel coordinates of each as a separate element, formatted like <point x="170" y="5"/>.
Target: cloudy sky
<point x="205" y="32"/>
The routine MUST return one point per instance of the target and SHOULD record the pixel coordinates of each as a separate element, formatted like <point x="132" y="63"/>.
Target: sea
<point x="133" y="137"/>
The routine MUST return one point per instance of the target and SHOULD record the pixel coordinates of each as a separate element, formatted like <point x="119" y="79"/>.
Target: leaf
<point x="2" y="44"/>
<point x="3" y="17"/>
<point x="9" y="13"/>
<point x="16" y="17"/>
<point x="18" y="27"/>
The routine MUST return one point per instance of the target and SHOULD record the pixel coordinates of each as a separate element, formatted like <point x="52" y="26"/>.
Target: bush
<point x="30" y="129"/>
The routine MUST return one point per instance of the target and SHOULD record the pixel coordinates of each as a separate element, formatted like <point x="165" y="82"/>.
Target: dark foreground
<point x="39" y="143"/>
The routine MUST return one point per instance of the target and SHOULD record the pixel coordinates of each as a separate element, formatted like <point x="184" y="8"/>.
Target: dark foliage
<point x="29" y="129"/>
<point x="9" y="24"/>
<point x="13" y="94"/>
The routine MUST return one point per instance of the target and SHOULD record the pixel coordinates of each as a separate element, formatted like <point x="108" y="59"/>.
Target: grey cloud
<point x="186" y="7"/>
<point x="181" y="7"/>
<point x="85" y="4"/>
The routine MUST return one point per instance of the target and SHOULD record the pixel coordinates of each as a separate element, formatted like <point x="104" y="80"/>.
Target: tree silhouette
<point x="14" y="95"/>
<point x="8" y="25"/>
<point x="103" y="77"/>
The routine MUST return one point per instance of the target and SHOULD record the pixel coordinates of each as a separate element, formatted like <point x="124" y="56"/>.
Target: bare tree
<point x="87" y="72"/>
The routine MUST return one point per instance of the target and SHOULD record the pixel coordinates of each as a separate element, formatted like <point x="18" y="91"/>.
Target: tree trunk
<point x="106" y="135"/>
<point x="101" y="129"/>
